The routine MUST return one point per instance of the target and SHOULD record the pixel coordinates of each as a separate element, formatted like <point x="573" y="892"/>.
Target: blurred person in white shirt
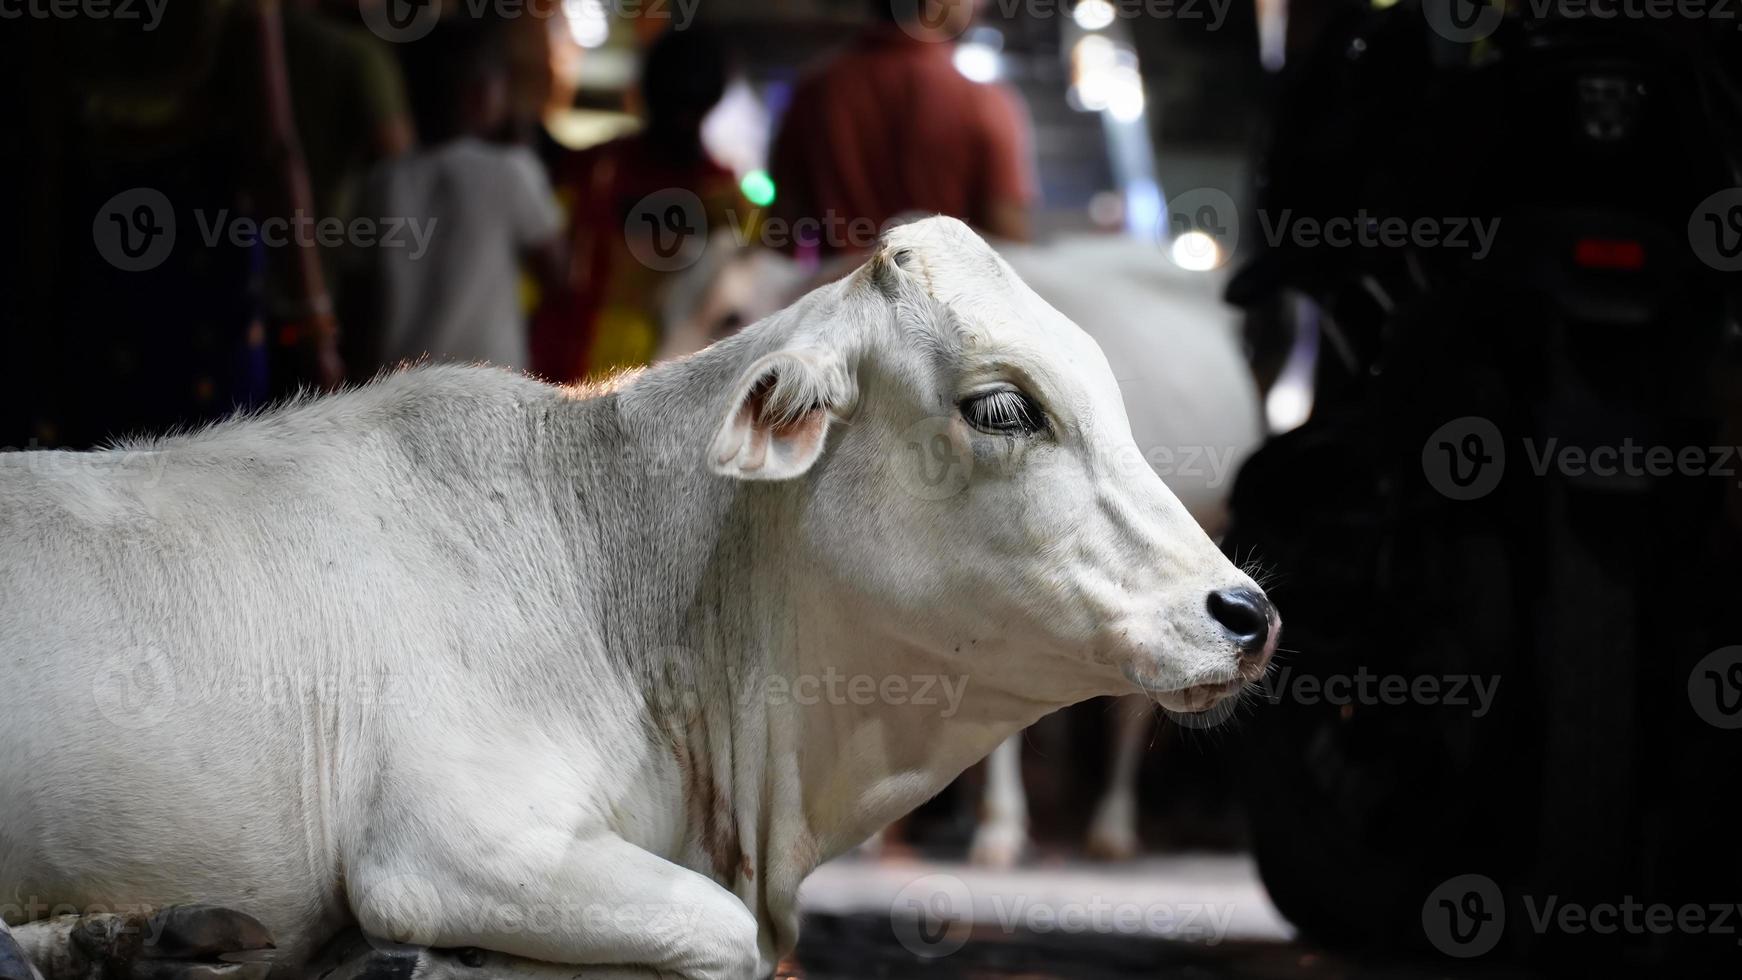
<point x="456" y="218"/>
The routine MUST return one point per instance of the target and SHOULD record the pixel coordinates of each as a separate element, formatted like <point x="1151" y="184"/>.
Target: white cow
<point x="1191" y="400"/>
<point x="590" y="677"/>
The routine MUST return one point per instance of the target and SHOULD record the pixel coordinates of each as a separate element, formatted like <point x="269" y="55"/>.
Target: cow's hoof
<point x="1112" y="845"/>
<point x="197" y="932"/>
<point x="13" y="965"/>
<point x="182" y="942"/>
<point x="1113" y="831"/>
<point x="998" y="845"/>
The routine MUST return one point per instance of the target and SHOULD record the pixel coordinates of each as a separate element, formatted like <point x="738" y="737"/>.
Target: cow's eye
<point x="1003" y="411"/>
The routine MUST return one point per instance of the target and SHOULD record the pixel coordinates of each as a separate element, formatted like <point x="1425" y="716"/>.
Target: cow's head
<point x="968" y="470"/>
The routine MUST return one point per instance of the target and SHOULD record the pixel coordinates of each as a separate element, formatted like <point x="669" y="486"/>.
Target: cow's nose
<point x="1245" y="614"/>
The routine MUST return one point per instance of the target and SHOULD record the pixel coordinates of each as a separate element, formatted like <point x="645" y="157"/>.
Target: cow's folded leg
<point x="182" y="942"/>
<point x="606" y="905"/>
<point x="14" y="965"/>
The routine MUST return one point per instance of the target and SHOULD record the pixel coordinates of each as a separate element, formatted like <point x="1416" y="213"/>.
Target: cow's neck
<point x="832" y="721"/>
<point x="925" y="708"/>
<point x="865" y="716"/>
<point x="816" y="720"/>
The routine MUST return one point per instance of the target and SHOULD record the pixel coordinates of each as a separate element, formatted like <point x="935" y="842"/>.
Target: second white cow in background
<point x="1194" y="408"/>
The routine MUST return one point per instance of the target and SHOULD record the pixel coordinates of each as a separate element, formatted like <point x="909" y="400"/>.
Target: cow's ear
<point x="778" y="421"/>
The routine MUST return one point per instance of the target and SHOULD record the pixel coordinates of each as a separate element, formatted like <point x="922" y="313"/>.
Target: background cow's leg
<point x="1002" y="834"/>
<point x="604" y="901"/>
<point x="14" y="964"/>
<point x="1113" y="831"/>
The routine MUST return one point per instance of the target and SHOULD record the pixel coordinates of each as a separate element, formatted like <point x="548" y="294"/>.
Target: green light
<point x="758" y="188"/>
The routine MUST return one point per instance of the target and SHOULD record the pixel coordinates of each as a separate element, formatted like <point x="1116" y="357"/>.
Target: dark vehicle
<point x="1513" y="481"/>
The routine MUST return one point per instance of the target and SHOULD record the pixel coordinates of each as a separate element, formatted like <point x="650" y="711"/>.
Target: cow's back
<point x="200" y="640"/>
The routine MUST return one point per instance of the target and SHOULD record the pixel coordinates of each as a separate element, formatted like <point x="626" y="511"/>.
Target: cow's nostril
<point x="1245" y="614"/>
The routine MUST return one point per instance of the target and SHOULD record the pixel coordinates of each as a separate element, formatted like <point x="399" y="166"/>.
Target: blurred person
<point x="890" y="126"/>
<point x="346" y="96"/>
<point x="473" y="210"/>
<point x="605" y="314"/>
<point x="534" y="45"/>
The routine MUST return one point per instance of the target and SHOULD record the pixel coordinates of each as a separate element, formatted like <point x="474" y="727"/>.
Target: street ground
<point x="1194" y="917"/>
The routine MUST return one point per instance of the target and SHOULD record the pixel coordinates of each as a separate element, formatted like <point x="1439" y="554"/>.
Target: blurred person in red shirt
<point x="890" y="126"/>
<point x="604" y="314"/>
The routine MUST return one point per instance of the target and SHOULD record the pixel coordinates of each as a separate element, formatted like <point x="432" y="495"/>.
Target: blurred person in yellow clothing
<point x="640" y="210"/>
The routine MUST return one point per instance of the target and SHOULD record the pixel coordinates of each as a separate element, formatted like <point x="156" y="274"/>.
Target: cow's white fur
<point x="471" y="660"/>
<point x="1192" y="403"/>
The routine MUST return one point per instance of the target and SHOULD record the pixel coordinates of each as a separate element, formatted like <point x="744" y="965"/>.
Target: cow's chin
<point x="1199" y="697"/>
<point x="1188" y="700"/>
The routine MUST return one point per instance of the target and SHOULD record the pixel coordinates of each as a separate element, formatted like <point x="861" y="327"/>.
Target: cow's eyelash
<point x="1004" y="411"/>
